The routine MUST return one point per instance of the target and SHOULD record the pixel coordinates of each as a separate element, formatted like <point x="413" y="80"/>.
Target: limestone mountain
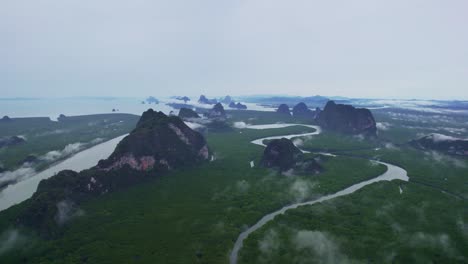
<point x="204" y="100"/>
<point x="238" y="105"/>
<point x="283" y="109"/>
<point x="347" y="119"/>
<point x="281" y="154"/>
<point x="159" y="143"/>
<point x="185" y="113"/>
<point x="442" y="143"/>
<point x="301" y="110"/>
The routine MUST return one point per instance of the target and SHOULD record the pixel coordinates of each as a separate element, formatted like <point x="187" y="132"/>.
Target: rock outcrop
<point x="442" y="143"/>
<point x="226" y="100"/>
<point x="347" y="119"/>
<point x="238" y="105"/>
<point x="283" y="109"/>
<point x="159" y="143"/>
<point x="216" y="112"/>
<point x="301" y="110"/>
<point x="186" y="113"/>
<point x="11" y="141"/>
<point x="182" y="98"/>
<point x="152" y="100"/>
<point x="5" y="119"/>
<point x="204" y="100"/>
<point x="281" y="154"/>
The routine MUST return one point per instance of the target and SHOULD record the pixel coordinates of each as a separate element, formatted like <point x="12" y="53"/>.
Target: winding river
<point x="20" y="191"/>
<point x="393" y="173"/>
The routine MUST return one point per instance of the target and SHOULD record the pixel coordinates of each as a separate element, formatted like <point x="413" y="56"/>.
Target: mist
<point x="364" y="48"/>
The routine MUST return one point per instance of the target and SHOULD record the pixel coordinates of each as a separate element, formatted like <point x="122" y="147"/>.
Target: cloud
<point x="301" y="189"/>
<point x="242" y="186"/>
<point x="240" y="125"/>
<point x="324" y="249"/>
<point x="10" y="239"/>
<point x="22" y="173"/>
<point x="383" y="125"/>
<point x="298" y="142"/>
<point x="438" y="241"/>
<point x="67" y="151"/>
<point x="67" y="210"/>
<point x="442" y="158"/>
<point x="270" y="243"/>
<point x="194" y="125"/>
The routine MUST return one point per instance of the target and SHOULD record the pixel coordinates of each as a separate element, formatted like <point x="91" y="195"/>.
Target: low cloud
<point x="298" y="142"/>
<point x="442" y="158"/>
<point x="20" y="174"/>
<point x="440" y="241"/>
<point x="383" y="125"/>
<point x="67" y="210"/>
<point x="67" y="151"/>
<point x="10" y="239"/>
<point x="240" y="125"/>
<point x="242" y="186"/>
<point x="324" y="249"/>
<point x="270" y="243"/>
<point x="301" y="189"/>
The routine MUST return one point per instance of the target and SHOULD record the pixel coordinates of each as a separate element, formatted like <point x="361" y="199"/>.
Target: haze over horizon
<point x="360" y="49"/>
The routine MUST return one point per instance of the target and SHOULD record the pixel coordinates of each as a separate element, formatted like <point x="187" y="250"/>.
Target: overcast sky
<point x="397" y="48"/>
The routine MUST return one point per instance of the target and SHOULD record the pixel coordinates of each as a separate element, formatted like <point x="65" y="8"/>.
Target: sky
<point x="370" y="48"/>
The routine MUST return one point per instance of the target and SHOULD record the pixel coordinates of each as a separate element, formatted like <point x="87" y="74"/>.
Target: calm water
<point x="16" y="193"/>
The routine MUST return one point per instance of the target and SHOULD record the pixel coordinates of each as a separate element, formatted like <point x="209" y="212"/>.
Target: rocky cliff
<point x="185" y="113"/>
<point x="281" y="154"/>
<point x="283" y="109"/>
<point x="347" y="119"/>
<point x="159" y="143"/>
<point x="204" y="100"/>
<point x="442" y="143"/>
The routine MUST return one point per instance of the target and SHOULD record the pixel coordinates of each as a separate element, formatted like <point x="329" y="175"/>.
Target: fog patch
<point x="270" y="243"/>
<point x="391" y="146"/>
<point x="240" y="125"/>
<point x="20" y="174"/>
<point x="441" y="158"/>
<point x="301" y="189"/>
<point x="194" y="125"/>
<point x="66" y="211"/>
<point x="438" y="241"/>
<point x="59" y="154"/>
<point x="324" y="249"/>
<point x="96" y="141"/>
<point x="298" y="142"/>
<point x="10" y="239"/>
<point x="242" y="186"/>
<point x="359" y="137"/>
<point x="383" y="126"/>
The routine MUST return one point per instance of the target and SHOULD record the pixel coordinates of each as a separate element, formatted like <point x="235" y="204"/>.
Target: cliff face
<point x="442" y="143"/>
<point x="347" y="119"/>
<point x="204" y="100"/>
<point x="281" y="154"/>
<point x="216" y="112"/>
<point x="158" y="143"/>
<point x="283" y="109"/>
<point x="238" y="105"/>
<point x="301" y="110"/>
<point x="187" y="113"/>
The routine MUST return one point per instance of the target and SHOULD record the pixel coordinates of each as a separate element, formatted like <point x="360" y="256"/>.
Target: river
<point x="393" y="173"/>
<point x="18" y="192"/>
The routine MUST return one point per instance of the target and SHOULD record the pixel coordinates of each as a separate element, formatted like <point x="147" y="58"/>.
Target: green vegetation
<point x="194" y="215"/>
<point x="191" y="215"/>
<point x="374" y="225"/>
<point x="43" y="135"/>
